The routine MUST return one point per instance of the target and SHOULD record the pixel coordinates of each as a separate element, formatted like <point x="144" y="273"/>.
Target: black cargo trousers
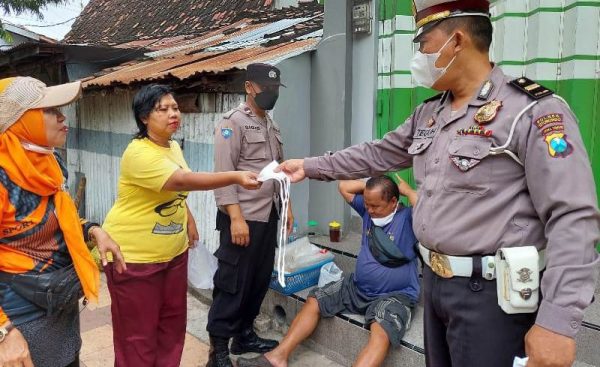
<point x="243" y="276"/>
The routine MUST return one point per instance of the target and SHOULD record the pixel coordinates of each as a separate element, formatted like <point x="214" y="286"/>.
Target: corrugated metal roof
<point x="185" y="66"/>
<point x="256" y="36"/>
<point x="230" y="48"/>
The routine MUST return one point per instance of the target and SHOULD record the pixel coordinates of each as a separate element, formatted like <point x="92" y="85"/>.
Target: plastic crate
<point x="299" y="280"/>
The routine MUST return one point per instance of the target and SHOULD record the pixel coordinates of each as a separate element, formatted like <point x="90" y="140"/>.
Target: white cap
<point x="20" y="94"/>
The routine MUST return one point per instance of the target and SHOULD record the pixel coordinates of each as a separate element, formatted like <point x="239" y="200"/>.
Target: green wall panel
<point x="388" y="9"/>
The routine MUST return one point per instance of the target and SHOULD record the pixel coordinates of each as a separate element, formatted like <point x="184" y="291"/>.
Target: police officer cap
<point x="263" y="74"/>
<point x="429" y="13"/>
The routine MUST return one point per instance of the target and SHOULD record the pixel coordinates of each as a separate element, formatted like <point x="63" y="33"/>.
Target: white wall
<point x="292" y="113"/>
<point x="364" y="84"/>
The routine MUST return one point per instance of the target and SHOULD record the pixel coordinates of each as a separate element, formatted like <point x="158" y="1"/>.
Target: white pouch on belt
<point x="518" y="279"/>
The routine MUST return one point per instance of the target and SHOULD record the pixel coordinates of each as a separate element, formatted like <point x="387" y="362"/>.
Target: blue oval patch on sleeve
<point x="226" y="132"/>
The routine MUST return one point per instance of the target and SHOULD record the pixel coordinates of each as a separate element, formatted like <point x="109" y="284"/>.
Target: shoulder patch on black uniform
<point x="436" y="97"/>
<point x="531" y="88"/>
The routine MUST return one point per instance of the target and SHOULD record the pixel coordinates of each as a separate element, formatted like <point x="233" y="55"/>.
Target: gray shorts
<point x="393" y="312"/>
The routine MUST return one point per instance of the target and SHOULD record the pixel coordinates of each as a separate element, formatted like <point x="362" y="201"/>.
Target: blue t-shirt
<point x="374" y="279"/>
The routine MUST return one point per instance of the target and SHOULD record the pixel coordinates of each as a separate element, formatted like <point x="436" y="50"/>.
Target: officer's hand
<point x="546" y="348"/>
<point x="14" y="351"/>
<point x="294" y="168"/>
<point x="240" y="233"/>
<point x="248" y="180"/>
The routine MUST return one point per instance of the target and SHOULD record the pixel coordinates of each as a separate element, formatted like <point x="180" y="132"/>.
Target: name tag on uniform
<point x="425" y="133"/>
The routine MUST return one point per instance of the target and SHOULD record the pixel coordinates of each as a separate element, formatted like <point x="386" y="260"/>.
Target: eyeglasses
<point x="171" y="207"/>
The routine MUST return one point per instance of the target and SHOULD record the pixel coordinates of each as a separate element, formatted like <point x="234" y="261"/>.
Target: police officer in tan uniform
<point x="507" y="216"/>
<point x="246" y="139"/>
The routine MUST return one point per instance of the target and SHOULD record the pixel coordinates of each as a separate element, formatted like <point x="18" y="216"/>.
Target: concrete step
<point x="341" y="338"/>
<point x="196" y="326"/>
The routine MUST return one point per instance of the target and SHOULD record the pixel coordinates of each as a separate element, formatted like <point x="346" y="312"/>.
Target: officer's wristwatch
<point x="4" y="330"/>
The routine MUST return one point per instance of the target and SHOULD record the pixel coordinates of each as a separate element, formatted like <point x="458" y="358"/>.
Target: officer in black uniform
<point x="247" y="138"/>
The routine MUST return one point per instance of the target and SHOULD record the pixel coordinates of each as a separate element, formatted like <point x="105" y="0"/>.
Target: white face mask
<point x="381" y="222"/>
<point x="268" y="173"/>
<point x="423" y="69"/>
<point x="36" y="148"/>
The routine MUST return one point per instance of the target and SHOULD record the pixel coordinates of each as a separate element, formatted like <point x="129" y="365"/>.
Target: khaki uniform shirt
<point x="473" y="203"/>
<point x="245" y="142"/>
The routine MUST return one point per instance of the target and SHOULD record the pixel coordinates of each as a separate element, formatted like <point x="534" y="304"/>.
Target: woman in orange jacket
<point x="45" y="265"/>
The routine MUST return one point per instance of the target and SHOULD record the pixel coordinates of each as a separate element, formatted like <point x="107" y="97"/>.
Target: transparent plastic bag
<point x="202" y="266"/>
<point x="301" y="254"/>
<point x="329" y="273"/>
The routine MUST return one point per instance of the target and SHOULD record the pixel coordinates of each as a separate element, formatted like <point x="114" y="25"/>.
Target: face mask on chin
<point x="423" y="69"/>
<point x="382" y="222"/>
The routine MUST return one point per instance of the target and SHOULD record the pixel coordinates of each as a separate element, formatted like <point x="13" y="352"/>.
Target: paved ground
<point x="96" y="331"/>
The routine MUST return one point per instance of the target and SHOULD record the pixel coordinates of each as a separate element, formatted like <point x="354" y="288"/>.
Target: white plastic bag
<point x="329" y="273"/>
<point x="202" y="266"/>
<point x="520" y="362"/>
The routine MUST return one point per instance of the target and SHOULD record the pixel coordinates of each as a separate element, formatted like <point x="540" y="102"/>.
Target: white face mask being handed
<point x="423" y="69"/>
<point x="381" y="222"/>
<point x="268" y="173"/>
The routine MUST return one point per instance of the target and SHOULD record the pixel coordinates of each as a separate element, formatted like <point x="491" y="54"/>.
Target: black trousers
<point x="243" y="276"/>
<point x="465" y="327"/>
<point x="75" y="363"/>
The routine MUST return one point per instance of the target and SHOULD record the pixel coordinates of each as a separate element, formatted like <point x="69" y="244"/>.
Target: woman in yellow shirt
<point x="154" y="228"/>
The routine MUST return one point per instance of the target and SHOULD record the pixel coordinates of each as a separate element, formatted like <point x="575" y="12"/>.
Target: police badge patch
<point x="226" y="132"/>
<point x="553" y="132"/>
<point x="558" y="145"/>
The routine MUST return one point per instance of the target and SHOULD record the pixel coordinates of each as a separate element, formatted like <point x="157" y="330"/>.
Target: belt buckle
<point x="440" y="264"/>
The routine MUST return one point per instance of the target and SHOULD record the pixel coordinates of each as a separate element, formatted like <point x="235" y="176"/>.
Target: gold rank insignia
<point x="431" y="122"/>
<point x="488" y="112"/>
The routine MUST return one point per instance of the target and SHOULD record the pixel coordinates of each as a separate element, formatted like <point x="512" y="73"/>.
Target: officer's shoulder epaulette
<point x="227" y="115"/>
<point x="436" y="97"/>
<point x="531" y="88"/>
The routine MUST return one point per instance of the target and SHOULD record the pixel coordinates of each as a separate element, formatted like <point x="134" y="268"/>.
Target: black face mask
<point x="266" y="100"/>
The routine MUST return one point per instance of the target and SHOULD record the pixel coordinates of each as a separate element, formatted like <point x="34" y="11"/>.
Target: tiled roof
<point x="113" y="22"/>
<point x="259" y="36"/>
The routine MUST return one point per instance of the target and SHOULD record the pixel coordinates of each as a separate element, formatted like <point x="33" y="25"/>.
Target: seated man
<point x="385" y="295"/>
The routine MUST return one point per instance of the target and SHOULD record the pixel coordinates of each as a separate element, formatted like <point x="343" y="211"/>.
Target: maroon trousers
<point x="149" y="312"/>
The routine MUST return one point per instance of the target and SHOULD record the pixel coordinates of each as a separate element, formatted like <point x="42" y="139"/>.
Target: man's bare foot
<point x="276" y="359"/>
